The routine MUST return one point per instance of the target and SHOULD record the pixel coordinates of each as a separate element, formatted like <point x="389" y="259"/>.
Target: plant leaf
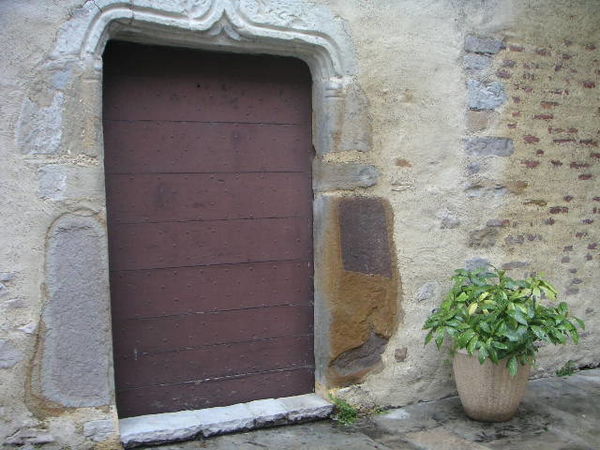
<point x="512" y="365"/>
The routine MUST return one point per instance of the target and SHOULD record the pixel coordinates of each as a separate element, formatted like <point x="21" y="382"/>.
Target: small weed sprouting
<point x="568" y="369"/>
<point x="345" y="413"/>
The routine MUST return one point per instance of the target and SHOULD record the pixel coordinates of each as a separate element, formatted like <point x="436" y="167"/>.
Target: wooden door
<point x="208" y="184"/>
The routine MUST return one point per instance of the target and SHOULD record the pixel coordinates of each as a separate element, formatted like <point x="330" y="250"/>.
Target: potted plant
<point x="494" y="326"/>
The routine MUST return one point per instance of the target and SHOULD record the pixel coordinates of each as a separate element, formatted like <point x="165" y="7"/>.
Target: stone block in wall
<point x="482" y="96"/>
<point x="489" y="146"/>
<point x="75" y="354"/>
<point x="473" y="61"/>
<point x="489" y="46"/>
<point x="62" y="182"/>
<point x="39" y="130"/>
<point x="329" y="176"/>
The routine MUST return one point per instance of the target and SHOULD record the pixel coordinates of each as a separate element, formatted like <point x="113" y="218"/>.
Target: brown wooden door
<point x="208" y="184"/>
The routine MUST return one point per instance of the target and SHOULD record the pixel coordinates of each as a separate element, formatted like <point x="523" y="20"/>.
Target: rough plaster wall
<point x="450" y="206"/>
<point x="460" y="200"/>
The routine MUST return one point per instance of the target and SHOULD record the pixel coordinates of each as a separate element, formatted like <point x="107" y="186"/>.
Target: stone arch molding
<point x="281" y="27"/>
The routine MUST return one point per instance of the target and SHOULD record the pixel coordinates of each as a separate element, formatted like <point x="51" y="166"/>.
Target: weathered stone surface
<point x="477" y="62"/>
<point x="9" y="354"/>
<point x="441" y="439"/>
<point x="364" y="236"/>
<point x="226" y="419"/>
<point x="476" y="44"/>
<point x="99" y="430"/>
<point x="60" y="182"/>
<point x="329" y="176"/>
<point x="489" y="146"/>
<point x="76" y="355"/>
<point x="361" y="358"/>
<point x="483" y="96"/>
<point x="40" y="126"/>
<point x="168" y="427"/>
<point x="428" y="291"/>
<point x="484" y="238"/>
<point x="448" y="220"/>
<point x="480" y="120"/>
<point x="31" y="436"/>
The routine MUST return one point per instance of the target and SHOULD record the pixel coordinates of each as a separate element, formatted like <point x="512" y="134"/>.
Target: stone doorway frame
<point x="66" y="140"/>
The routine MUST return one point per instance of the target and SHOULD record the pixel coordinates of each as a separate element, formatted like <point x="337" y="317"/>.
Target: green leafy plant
<point x="567" y="370"/>
<point x="498" y="317"/>
<point x="345" y="413"/>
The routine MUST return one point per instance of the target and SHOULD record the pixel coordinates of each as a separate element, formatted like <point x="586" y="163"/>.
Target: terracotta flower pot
<point x="487" y="391"/>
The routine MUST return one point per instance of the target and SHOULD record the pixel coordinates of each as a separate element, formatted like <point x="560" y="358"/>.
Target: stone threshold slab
<point x="186" y="425"/>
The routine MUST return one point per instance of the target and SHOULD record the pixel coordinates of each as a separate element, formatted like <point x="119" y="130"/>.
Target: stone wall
<point x="467" y="131"/>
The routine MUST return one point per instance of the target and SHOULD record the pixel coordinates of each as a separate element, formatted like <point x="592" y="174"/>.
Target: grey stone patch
<point x="476" y="62"/>
<point x="400" y="354"/>
<point x="99" y="430"/>
<point x="169" y="427"/>
<point x="428" y="291"/>
<point x="473" y="168"/>
<point x="476" y="44"/>
<point x="39" y="130"/>
<point x="6" y="277"/>
<point x="361" y="358"/>
<point x="9" y="354"/>
<point x="476" y="263"/>
<point x="484" y="238"/>
<point x="448" y="220"/>
<point x="483" y="96"/>
<point x="60" y="182"/>
<point x="30" y="436"/>
<point x="478" y="191"/>
<point x="489" y="146"/>
<point x="3" y="290"/>
<point x="329" y="176"/>
<point x="76" y="362"/>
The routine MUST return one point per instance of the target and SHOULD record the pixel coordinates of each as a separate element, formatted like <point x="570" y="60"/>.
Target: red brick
<point x="531" y="139"/>
<point x="558" y="67"/>
<point x="544" y="116"/>
<point x="552" y="130"/>
<point x="568" y="248"/>
<point x="588" y="257"/>
<point x="589" y="142"/>
<point x="560" y="91"/>
<point x="517" y="99"/>
<point x="550" y="221"/>
<point x="563" y="141"/>
<point x="539" y="152"/>
<point x="530" y="164"/>
<point x="590" y="47"/>
<point x="511" y="125"/>
<point x="566" y="56"/>
<point x="587" y="221"/>
<point x="568" y="198"/>
<point x="516" y="113"/>
<point x="579" y="165"/>
<point x="589" y="84"/>
<point x="593" y="246"/>
<point x="585" y="176"/>
<point x="556" y="163"/>
<point x="596" y="199"/>
<point x="559" y="210"/>
<point x="504" y="74"/>
<point x="543" y="51"/>
<point x="515" y="48"/>
<point x="595" y="155"/>
<point x="581" y="234"/>
<point x="572" y="130"/>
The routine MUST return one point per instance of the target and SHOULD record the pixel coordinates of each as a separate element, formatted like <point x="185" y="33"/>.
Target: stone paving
<point x="557" y="414"/>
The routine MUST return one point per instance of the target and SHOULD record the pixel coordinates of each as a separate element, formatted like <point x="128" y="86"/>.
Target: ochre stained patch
<point x="365" y="307"/>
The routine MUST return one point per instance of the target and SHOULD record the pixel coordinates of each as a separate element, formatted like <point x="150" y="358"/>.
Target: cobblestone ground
<point x="557" y="414"/>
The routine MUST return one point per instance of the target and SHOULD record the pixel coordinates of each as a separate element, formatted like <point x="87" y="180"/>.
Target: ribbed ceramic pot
<point x="487" y="391"/>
